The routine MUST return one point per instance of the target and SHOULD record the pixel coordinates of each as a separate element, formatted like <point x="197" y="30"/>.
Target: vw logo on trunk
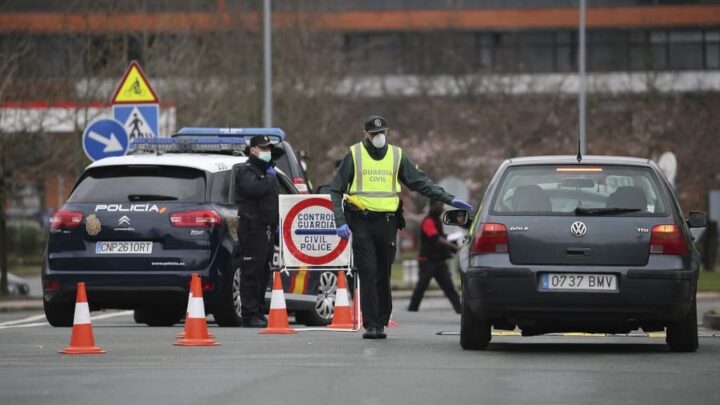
<point x="578" y="229"/>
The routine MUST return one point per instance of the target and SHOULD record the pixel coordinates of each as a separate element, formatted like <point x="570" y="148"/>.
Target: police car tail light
<point x="196" y="219"/>
<point x="63" y="219"/>
<point x="667" y="240"/>
<point x="490" y="238"/>
<point x="300" y="185"/>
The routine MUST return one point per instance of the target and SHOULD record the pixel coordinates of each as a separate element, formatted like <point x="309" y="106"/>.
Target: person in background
<point x="435" y="250"/>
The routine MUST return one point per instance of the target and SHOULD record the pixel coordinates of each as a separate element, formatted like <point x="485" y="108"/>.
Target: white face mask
<point x="378" y="141"/>
<point x="264" y="155"/>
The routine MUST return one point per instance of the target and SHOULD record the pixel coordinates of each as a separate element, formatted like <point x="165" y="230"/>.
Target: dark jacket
<point x="410" y="175"/>
<point x="431" y="229"/>
<point x="256" y="193"/>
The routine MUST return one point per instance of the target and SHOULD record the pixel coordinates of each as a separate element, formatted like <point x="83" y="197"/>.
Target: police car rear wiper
<point x="150" y="197"/>
<point x="604" y="211"/>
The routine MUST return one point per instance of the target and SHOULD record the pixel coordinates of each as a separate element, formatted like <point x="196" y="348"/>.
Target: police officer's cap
<point x="376" y="123"/>
<point x="260" y="140"/>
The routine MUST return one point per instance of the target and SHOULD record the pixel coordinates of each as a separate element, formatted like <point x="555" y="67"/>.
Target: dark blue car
<point x="136" y="227"/>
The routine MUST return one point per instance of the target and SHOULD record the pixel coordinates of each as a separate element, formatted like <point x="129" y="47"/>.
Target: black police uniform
<point x="374" y="233"/>
<point x="256" y="195"/>
<point x="433" y="263"/>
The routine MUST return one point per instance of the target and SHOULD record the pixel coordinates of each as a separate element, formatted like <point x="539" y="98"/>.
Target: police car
<point x="136" y="227"/>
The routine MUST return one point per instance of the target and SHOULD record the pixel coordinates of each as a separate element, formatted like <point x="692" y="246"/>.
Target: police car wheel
<point x="324" y="304"/>
<point x="227" y="313"/>
<point x="59" y="314"/>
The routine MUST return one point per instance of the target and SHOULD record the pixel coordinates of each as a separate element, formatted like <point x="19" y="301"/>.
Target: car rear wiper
<point x="150" y="197"/>
<point x="604" y="211"/>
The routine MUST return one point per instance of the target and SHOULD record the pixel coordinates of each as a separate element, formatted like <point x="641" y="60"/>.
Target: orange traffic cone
<point x="181" y="335"/>
<point x="392" y="323"/>
<point x="342" y="318"/>
<point x="82" y="340"/>
<point x="196" y="331"/>
<point x="278" y="320"/>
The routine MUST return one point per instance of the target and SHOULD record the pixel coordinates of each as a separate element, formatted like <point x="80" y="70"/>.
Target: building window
<point x="685" y="50"/>
<point x="712" y="49"/>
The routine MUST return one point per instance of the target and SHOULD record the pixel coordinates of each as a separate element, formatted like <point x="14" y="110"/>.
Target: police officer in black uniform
<point x="435" y="250"/>
<point x="365" y="195"/>
<point x="256" y="195"/>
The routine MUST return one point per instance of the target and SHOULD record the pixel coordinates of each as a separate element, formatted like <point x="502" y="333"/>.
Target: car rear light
<point x="667" y="240"/>
<point x="196" y="219"/>
<point x="300" y="185"/>
<point x="66" y="219"/>
<point x="491" y="238"/>
<point x="51" y="285"/>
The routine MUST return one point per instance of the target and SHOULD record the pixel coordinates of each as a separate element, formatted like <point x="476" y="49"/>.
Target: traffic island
<point x="711" y="319"/>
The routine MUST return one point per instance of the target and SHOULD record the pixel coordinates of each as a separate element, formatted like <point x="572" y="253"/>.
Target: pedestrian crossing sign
<point x="139" y="120"/>
<point x="134" y="88"/>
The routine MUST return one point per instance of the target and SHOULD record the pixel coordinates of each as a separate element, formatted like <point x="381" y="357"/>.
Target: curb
<point x="711" y="320"/>
<point x="21" y="305"/>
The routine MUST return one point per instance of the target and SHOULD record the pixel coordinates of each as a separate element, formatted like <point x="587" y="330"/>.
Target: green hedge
<point x="25" y="241"/>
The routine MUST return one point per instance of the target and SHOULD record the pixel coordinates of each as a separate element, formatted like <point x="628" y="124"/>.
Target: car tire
<point x="322" y="315"/>
<point x="682" y="336"/>
<point x="227" y="313"/>
<point x="59" y="314"/>
<point x="474" y="333"/>
<point x="162" y="316"/>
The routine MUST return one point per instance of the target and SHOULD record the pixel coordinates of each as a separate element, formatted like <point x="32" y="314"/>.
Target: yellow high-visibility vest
<point x="375" y="182"/>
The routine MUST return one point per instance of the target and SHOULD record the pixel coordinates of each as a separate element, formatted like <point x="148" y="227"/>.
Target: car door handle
<point x="578" y="251"/>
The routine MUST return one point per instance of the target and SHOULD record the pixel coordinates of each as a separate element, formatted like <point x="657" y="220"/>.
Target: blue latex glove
<point x="460" y="204"/>
<point x="344" y="232"/>
<point x="271" y="170"/>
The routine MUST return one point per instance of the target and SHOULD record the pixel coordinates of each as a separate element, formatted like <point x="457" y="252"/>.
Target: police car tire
<point x="224" y="312"/>
<point x="311" y="318"/>
<point x="59" y="314"/>
<point x="474" y="333"/>
<point x="682" y="336"/>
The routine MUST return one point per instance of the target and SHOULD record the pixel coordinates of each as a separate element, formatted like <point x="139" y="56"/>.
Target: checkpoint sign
<point x="308" y="233"/>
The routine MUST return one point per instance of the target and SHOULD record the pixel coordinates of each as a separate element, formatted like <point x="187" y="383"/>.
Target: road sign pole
<point x="583" y="79"/>
<point x="267" y="64"/>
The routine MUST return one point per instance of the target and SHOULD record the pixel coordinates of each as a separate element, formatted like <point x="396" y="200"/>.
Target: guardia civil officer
<point x="365" y="195"/>
<point x="256" y="195"/>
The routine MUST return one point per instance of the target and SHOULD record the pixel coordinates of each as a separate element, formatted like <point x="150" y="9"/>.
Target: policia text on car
<point x="365" y="195"/>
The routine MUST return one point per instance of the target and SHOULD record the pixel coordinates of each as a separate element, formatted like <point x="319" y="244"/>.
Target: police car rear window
<point x="140" y="183"/>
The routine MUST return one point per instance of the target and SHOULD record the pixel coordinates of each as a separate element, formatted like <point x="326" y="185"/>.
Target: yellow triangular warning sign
<point x="134" y="88"/>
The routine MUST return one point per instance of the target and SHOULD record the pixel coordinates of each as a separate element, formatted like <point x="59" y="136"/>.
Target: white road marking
<point x="20" y="323"/>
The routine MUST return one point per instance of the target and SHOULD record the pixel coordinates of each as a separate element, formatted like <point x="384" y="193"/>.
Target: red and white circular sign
<point x="308" y="233"/>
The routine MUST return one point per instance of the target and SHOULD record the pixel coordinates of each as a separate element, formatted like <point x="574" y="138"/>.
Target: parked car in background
<point x="598" y="245"/>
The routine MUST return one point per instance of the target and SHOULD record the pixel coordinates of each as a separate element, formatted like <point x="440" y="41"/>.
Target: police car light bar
<point x="275" y="134"/>
<point x="188" y="144"/>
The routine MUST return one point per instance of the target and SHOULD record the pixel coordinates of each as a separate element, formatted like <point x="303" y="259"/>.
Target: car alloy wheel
<point x="327" y="288"/>
<point x="236" y="291"/>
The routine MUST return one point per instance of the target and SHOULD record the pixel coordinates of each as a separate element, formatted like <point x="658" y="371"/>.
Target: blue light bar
<point x="277" y="133"/>
<point x="188" y="144"/>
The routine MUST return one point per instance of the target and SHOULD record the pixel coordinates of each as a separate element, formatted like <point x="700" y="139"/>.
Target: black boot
<point x="370" y="333"/>
<point x="380" y="333"/>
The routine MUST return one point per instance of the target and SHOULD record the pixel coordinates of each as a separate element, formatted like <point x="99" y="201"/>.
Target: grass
<point x="709" y="281"/>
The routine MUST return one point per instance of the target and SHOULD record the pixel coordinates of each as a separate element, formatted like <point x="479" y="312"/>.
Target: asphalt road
<point x="414" y="365"/>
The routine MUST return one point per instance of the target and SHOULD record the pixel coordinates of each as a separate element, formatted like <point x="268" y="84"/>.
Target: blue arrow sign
<point x="104" y="137"/>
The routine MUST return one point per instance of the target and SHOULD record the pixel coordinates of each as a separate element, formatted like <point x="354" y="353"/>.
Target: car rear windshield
<point x="579" y="190"/>
<point x="140" y="183"/>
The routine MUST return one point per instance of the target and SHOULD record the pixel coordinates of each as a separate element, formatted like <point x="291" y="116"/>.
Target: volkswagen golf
<point x="598" y="245"/>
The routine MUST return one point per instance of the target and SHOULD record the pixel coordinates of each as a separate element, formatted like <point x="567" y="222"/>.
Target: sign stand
<point x="308" y="241"/>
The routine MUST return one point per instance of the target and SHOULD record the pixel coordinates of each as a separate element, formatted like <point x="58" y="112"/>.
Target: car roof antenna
<point x="579" y="154"/>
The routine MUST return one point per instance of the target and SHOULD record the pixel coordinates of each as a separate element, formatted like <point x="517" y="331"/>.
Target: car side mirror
<point x="697" y="220"/>
<point x="456" y="217"/>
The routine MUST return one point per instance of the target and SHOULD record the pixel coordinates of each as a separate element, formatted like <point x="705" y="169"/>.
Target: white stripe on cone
<point x="277" y="300"/>
<point x="341" y="298"/>
<point x="196" y="308"/>
<point x="188" y="305"/>
<point x="82" y="313"/>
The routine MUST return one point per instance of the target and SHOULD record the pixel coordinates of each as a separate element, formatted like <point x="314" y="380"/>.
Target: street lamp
<point x="267" y="64"/>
